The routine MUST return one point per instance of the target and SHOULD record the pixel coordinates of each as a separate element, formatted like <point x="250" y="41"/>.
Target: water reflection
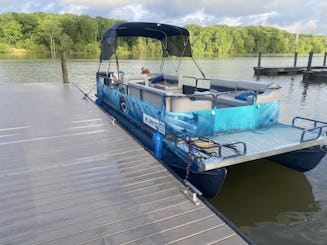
<point x="305" y="90"/>
<point x="263" y="191"/>
<point x="307" y="83"/>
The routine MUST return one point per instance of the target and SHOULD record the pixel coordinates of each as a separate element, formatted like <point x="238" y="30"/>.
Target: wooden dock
<point x="291" y="70"/>
<point x="287" y="70"/>
<point x="318" y="76"/>
<point x="69" y="176"/>
<point x="274" y="71"/>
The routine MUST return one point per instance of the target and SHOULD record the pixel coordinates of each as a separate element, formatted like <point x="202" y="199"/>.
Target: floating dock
<point x="274" y="71"/>
<point x="68" y="175"/>
<point x="319" y="76"/>
<point x="291" y="70"/>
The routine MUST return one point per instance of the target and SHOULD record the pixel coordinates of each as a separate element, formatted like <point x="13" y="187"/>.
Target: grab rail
<point x="314" y="128"/>
<point x="232" y="146"/>
<point x="214" y="149"/>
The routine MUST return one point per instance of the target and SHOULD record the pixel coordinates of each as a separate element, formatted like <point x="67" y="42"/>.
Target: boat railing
<point x="230" y="93"/>
<point x="211" y="148"/>
<point x="232" y="146"/>
<point x="232" y="85"/>
<point x="316" y="130"/>
<point x="241" y="94"/>
<point x="196" y="80"/>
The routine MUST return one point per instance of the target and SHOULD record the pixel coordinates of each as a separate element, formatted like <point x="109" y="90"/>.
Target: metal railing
<point x="317" y="128"/>
<point x="213" y="148"/>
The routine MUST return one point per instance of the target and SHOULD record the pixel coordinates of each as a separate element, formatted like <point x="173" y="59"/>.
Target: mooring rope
<point x="188" y="141"/>
<point x="87" y="94"/>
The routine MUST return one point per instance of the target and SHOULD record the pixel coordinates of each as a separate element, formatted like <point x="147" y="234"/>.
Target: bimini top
<point x="174" y="39"/>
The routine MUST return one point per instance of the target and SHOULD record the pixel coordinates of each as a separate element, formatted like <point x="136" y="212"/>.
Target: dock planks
<point x="68" y="176"/>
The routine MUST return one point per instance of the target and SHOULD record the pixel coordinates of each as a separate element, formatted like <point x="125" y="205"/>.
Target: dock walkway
<point x="69" y="176"/>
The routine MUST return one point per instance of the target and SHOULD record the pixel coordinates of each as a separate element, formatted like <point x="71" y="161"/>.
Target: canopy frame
<point x="174" y="40"/>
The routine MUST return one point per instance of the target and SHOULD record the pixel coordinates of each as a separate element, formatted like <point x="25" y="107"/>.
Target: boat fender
<point x="122" y="103"/>
<point x="157" y="144"/>
<point x="99" y="99"/>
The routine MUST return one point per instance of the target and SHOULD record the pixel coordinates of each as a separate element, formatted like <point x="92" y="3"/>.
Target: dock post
<point x="325" y="59"/>
<point x="295" y="58"/>
<point x="259" y="60"/>
<point x="310" y="61"/>
<point x="64" y="66"/>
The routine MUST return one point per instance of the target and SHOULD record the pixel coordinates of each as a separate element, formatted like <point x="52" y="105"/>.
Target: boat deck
<point x="69" y="176"/>
<point x="259" y="144"/>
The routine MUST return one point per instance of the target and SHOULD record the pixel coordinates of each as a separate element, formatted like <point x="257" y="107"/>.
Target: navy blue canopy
<point x="174" y="39"/>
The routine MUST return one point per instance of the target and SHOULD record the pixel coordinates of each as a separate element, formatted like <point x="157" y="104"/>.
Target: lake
<point x="270" y="203"/>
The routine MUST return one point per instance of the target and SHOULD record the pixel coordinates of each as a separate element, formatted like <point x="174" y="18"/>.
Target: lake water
<point x="270" y="203"/>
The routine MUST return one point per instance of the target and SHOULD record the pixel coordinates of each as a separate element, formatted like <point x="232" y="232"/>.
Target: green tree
<point x="12" y="31"/>
<point x="41" y="32"/>
<point x="52" y="31"/>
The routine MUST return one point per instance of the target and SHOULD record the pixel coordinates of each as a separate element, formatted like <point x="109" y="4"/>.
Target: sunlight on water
<point x="272" y="204"/>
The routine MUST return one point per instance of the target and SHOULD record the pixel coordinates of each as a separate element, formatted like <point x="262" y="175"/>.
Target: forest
<point x="48" y="33"/>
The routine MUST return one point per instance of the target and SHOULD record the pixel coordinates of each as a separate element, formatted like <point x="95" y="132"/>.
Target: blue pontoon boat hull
<point x="208" y="183"/>
<point x="301" y="160"/>
<point x="202" y="125"/>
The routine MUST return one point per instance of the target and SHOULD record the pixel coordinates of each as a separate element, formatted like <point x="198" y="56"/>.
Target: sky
<point x="295" y="16"/>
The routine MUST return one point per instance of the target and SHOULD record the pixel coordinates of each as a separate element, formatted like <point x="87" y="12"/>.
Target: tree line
<point x="47" y="32"/>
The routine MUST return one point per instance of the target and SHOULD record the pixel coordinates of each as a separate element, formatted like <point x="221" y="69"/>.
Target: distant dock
<point x="274" y="71"/>
<point x="308" y="71"/>
<point x="68" y="175"/>
<point x="317" y="75"/>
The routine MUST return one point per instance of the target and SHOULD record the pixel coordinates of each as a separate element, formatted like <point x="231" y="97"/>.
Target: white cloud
<point x="29" y="6"/>
<point x="260" y="19"/>
<point x="302" y="27"/>
<point x="131" y="12"/>
<point x="49" y="7"/>
<point x="107" y="3"/>
<point x="73" y="9"/>
<point x="231" y="21"/>
<point x="198" y="17"/>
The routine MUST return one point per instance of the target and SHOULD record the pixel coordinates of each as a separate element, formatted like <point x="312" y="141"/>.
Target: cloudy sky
<point x="296" y="16"/>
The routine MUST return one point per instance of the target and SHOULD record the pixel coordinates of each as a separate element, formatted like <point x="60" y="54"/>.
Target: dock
<point x="70" y="175"/>
<point x="307" y="71"/>
<point x="274" y="71"/>
<point x="289" y="70"/>
<point x="318" y="75"/>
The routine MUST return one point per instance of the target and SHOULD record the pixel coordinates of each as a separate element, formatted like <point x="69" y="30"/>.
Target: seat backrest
<point x="185" y="104"/>
<point x="173" y="102"/>
<point x="242" y="85"/>
<point x="173" y="79"/>
<point x="141" y="78"/>
<point x="148" y="94"/>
